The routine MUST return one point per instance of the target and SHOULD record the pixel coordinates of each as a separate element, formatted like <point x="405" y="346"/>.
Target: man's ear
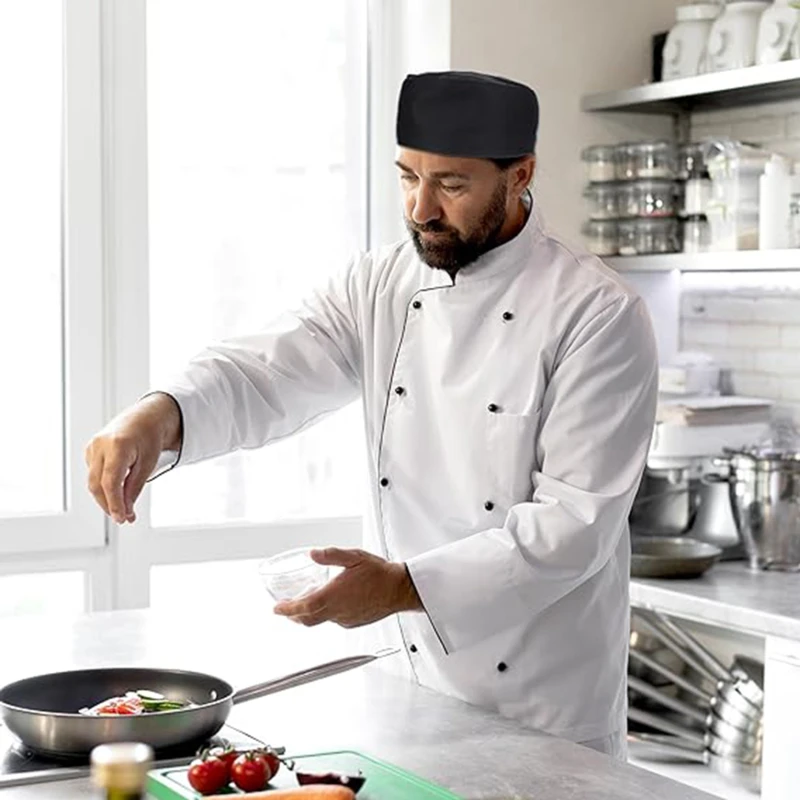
<point x="522" y="174"/>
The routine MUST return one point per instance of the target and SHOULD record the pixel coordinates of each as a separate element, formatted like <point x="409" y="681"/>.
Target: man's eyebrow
<point x="440" y="175"/>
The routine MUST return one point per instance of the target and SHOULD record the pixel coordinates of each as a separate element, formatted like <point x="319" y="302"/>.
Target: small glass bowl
<point x="292" y="574"/>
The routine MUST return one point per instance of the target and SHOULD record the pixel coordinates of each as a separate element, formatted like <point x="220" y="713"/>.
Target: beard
<point x="449" y="249"/>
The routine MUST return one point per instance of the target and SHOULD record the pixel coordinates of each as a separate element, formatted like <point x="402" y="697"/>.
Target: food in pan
<point x="141" y="701"/>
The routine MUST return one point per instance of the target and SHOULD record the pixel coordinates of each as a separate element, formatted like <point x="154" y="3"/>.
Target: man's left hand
<point x="370" y="588"/>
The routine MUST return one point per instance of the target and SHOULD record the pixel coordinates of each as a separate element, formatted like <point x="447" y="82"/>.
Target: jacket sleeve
<point x="594" y="432"/>
<point x="252" y="390"/>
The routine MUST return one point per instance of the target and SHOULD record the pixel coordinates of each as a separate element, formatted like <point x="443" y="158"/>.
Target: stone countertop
<point x="476" y="754"/>
<point x="729" y="595"/>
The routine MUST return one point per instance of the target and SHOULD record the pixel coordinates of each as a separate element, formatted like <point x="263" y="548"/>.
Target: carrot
<point x="319" y="792"/>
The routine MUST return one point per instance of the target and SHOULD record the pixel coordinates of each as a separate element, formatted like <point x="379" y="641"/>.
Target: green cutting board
<point x="384" y="781"/>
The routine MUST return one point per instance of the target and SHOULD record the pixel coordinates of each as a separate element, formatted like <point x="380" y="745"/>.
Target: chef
<point x="508" y="386"/>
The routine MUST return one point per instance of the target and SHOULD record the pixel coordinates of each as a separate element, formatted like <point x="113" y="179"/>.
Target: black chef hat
<point x="467" y="114"/>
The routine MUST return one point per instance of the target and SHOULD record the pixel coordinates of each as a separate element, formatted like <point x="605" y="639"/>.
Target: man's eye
<point x="452" y="187"/>
<point x="406" y="178"/>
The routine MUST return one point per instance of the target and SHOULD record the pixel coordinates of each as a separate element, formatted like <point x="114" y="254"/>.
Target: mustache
<point x="430" y="227"/>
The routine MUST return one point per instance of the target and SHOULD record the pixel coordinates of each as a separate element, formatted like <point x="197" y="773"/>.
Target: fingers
<point x="308" y="611"/>
<point x="95" y="464"/>
<point x="134" y="483"/>
<point x="115" y="470"/>
<point x="338" y="557"/>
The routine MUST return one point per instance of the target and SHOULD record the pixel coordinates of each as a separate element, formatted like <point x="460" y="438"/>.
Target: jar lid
<point x="655" y="222"/>
<point x="600" y="187"/>
<point x="646" y="147"/>
<point x="599" y="152"/>
<point x="601" y="226"/>
<point x="697" y="12"/>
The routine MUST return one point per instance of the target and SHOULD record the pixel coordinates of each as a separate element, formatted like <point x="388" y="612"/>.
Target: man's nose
<point x="425" y="206"/>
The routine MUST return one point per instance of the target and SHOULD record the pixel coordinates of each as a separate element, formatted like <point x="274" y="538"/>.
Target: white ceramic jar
<point x="732" y="39"/>
<point x="776" y="32"/>
<point x="685" y="48"/>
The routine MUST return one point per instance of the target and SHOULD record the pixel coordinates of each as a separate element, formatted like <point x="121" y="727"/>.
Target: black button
<point x="502" y="667"/>
<point x="413" y="648"/>
<point x="399" y="390"/>
<point x="493" y="407"/>
<point x="384" y="481"/>
<point x="416" y="304"/>
<point x="508" y="316"/>
<point x="488" y="505"/>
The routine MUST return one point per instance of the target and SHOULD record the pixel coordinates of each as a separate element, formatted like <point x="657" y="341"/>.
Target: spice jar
<point x="625" y="160"/>
<point x="647" y="199"/>
<point x="120" y="769"/>
<point x="654" y="160"/>
<point x="602" y="200"/>
<point x="644" y="236"/>
<point x="656" y="235"/>
<point x="601" y="237"/>
<point x="600" y="163"/>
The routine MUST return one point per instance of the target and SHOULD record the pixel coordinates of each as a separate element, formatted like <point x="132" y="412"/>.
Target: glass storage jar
<point x="656" y="235"/>
<point x="643" y="236"/>
<point x="625" y="161"/>
<point x="599" y="160"/>
<point x="654" y="160"/>
<point x="601" y="237"/>
<point x="602" y="200"/>
<point x="647" y="199"/>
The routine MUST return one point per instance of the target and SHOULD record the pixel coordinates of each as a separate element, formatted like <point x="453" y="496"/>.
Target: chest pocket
<point x="511" y="456"/>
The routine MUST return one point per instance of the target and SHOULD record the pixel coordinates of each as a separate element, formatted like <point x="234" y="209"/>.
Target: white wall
<point x="564" y="49"/>
<point x="752" y="322"/>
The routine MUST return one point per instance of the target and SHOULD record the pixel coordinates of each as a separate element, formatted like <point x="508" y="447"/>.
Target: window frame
<point x="80" y="525"/>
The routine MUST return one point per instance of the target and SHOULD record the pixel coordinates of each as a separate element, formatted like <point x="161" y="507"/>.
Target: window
<point x="44" y="593"/>
<point x="31" y="403"/>
<point x="51" y="286"/>
<point x="254" y="198"/>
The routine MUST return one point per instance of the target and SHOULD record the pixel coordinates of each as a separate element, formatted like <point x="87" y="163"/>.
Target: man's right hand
<point x="122" y="456"/>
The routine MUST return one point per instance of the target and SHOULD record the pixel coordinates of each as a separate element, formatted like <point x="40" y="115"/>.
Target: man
<point x="509" y="391"/>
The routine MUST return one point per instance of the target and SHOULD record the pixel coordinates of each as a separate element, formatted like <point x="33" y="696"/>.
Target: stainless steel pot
<point x="764" y="490"/>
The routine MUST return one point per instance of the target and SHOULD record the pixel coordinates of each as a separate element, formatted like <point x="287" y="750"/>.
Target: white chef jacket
<point x="508" y="415"/>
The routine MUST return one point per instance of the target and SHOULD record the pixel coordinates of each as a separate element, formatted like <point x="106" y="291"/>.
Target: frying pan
<point x="42" y="711"/>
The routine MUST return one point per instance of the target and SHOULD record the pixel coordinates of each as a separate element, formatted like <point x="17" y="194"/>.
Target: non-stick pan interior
<point x="68" y="692"/>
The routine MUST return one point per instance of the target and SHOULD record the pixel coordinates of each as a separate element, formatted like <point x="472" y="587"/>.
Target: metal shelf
<point x="737" y="87"/>
<point x="733" y="261"/>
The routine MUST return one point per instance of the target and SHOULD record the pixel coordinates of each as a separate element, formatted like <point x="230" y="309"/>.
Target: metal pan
<point x="42" y="711"/>
<point x="671" y="557"/>
<point x="746" y="775"/>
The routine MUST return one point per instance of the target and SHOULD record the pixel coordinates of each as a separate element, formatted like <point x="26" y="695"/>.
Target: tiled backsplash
<point x="754" y="331"/>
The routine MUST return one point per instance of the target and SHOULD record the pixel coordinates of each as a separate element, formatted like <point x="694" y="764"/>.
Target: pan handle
<point x="670" y="675"/>
<point x="670" y="743"/>
<point x="308" y="675"/>
<point x="673" y="703"/>
<point x="719" y="670"/>
<point x="687" y="735"/>
<point x="667" y="641"/>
